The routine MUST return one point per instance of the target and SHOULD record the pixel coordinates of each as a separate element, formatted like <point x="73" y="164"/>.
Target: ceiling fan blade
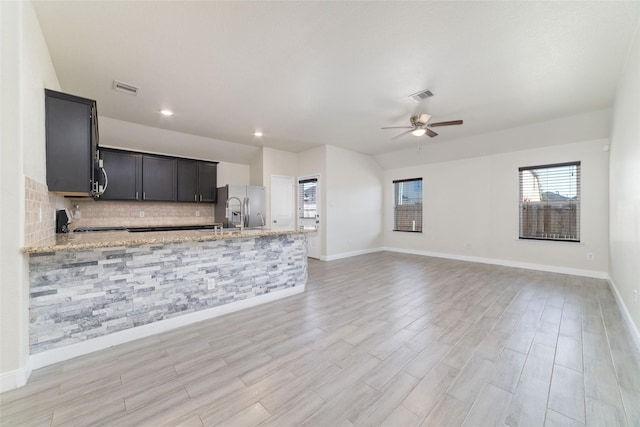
<point x="451" y="123"/>
<point x="402" y="134"/>
<point x="398" y="127"/>
<point x="431" y="133"/>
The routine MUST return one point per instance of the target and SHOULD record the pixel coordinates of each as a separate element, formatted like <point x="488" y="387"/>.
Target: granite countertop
<point x="85" y="241"/>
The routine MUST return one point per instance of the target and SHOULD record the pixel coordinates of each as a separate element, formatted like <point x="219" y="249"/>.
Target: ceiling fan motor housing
<point x="420" y="120"/>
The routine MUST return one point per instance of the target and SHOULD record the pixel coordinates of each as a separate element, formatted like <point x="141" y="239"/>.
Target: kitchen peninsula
<point x="94" y="290"/>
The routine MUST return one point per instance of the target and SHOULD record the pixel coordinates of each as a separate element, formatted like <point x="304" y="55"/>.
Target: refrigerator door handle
<point x="247" y="211"/>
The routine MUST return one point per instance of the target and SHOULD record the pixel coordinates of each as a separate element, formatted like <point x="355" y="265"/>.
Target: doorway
<point x="282" y="202"/>
<point x="309" y="212"/>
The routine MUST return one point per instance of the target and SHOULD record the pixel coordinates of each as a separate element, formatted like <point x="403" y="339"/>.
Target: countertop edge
<point x="151" y="238"/>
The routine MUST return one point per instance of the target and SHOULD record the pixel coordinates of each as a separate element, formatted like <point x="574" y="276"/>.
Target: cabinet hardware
<point x="144" y="195"/>
<point x="136" y="195"/>
<point x="195" y="197"/>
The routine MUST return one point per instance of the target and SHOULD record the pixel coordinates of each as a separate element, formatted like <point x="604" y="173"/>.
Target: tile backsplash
<point x="40" y="207"/>
<point x="98" y="213"/>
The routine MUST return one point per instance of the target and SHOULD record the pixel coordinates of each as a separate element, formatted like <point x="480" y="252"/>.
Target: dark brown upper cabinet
<point x="187" y="180"/>
<point x="140" y="176"/>
<point x="207" y="181"/>
<point x="124" y="171"/>
<point x="197" y="181"/>
<point x="159" y="178"/>
<point x="71" y="128"/>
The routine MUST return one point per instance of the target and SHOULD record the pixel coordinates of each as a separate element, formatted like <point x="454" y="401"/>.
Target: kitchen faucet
<point x="241" y="214"/>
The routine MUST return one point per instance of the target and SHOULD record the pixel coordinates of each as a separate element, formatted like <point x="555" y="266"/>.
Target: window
<point x="307" y="198"/>
<point x="550" y="202"/>
<point x="407" y="211"/>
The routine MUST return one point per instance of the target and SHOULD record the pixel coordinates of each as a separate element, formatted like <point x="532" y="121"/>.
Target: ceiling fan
<point x="419" y="126"/>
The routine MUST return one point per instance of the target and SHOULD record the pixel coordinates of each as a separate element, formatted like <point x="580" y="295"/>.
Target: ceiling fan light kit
<point x="418" y="132"/>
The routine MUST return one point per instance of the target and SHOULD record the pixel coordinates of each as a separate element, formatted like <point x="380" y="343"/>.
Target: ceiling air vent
<point x="419" y="96"/>
<point x="125" y="88"/>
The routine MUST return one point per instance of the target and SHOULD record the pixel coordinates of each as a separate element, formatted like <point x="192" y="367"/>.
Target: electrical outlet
<point x="197" y="213"/>
<point x="76" y="215"/>
<point x="590" y="256"/>
<point x="211" y="285"/>
<point x="141" y="214"/>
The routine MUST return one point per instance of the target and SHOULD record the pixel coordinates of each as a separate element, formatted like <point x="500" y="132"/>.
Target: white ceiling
<point x="311" y="73"/>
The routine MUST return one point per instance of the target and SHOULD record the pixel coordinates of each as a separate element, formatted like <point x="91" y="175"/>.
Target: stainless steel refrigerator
<point x="249" y="198"/>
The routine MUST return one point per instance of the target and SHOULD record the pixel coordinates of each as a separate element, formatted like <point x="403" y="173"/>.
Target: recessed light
<point x="166" y="112"/>
<point x="257" y="133"/>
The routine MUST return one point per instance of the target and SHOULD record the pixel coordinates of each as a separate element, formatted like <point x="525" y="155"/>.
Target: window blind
<point x="550" y="202"/>
<point x="407" y="205"/>
<point x="307" y="205"/>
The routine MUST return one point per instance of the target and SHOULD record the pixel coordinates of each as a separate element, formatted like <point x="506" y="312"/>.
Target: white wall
<point x="353" y="188"/>
<point x="26" y="69"/>
<point x="471" y="210"/>
<point x="232" y="173"/>
<point x="255" y="174"/>
<point x="131" y="136"/>
<point x="277" y="162"/>
<point x="624" y="188"/>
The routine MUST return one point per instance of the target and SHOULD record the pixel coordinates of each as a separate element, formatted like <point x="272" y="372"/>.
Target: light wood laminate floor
<point x="383" y="339"/>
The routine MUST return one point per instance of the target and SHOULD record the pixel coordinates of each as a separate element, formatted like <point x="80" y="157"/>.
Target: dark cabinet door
<point x="124" y="172"/>
<point x="196" y="181"/>
<point x="187" y="180"/>
<point x="207" y="182"/>
<point x="159" y="178"/>
<point x="70" y="143"/>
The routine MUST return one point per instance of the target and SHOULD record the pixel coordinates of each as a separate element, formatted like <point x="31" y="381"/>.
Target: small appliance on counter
<point x="63" y="219"/>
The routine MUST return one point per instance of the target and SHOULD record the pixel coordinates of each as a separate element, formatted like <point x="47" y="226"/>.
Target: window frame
<point x="301" y="204"/>
<point x="420" y="227"/>
<point x="577" y="202"/>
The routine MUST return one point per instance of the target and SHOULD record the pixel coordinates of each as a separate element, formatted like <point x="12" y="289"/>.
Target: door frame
<point x="320" y="217"/>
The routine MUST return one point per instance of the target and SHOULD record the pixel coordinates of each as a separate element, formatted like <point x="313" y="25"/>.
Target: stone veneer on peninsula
<point x="103" y="285"/>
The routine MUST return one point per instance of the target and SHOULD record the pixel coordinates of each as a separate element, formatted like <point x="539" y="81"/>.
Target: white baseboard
<point x="506" y="263"/>
<point x="635" y="334"/>
<point x="17" y="378"/>
<point x="49" y="357"/>
<point x="350" y="254"/>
